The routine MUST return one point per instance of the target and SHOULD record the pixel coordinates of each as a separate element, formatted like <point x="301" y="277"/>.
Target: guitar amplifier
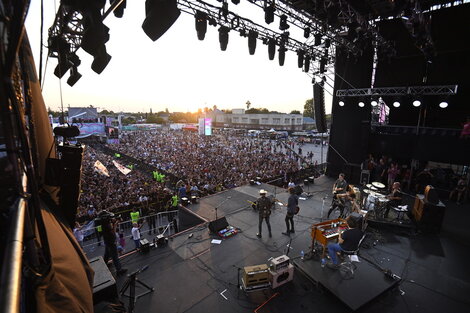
<point x="281" y="277"/>
<point x="255" y="275"/>
<point x="279" y="263"/>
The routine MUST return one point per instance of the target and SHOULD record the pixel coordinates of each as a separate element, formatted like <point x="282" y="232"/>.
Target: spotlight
<point x="223" y="37"/>
<point x="235" y="1"/>
<point x="119" y="10"/>
<point x="307" y="63"/>
<point x="322" y="65"/>
<point x="212" y="22"/>
<point x="374" y="103"/>
<point x="443" y="104"/>
<point x="327" y="43"/>
<point x="341" y="103"/>
<point x="283" y="23"/>
<point x="271" y="48"/>
<point x="74" y="76"/>
<point x="159" y="17"/>
<point x="62" y="66"/>
<point x="300" y="58"/>
<point x="317" y="41"/>
<point x="269" y="13"/>
<point x="361" y="104"/>
<point x="201" y="24"/>
<point x="242" y="33"/>
<point x="282" y="55"/>
<point x="396" y="104"/>
<point x="252" y="35"/>
<point x="306" y="32"/>
<point x="100" y="61"/>
<point x="416" y="103"/>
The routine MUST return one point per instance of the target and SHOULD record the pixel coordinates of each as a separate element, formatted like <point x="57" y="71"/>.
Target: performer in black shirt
<point x="347" y="241"/>
<point x="264" y="208"/>
<point x="394" y="197"/>
<point x="292" y="204"/>
<point x="339" y="188"/>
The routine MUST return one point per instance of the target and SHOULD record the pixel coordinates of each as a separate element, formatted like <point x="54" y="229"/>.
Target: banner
<point x="100" y="168"/>
<point x="121" y="168"/>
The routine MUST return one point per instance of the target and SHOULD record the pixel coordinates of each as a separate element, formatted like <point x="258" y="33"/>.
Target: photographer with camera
<point x="109" y="225"/>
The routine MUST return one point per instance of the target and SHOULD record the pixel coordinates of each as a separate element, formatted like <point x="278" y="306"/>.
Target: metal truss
<point x="67" y="25"/>
<point x="443" y="90"/>
<point x="235" y="22"/>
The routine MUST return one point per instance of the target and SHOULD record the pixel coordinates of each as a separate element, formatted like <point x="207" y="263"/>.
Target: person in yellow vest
<point x="98" y="231"/>
<point x="135" y="216"/>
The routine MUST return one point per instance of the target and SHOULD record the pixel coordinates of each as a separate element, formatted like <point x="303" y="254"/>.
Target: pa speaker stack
<point x="280" y="271"/>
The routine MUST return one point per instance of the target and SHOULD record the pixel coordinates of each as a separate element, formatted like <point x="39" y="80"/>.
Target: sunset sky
<point x="177" y="71"/>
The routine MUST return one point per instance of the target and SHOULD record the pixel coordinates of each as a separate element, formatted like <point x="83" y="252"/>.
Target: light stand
<point x="130" y="284"/>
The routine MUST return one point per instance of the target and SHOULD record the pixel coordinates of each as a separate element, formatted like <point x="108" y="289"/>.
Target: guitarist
<point x="339" y="189"/>
<point x="292" y="209"/>
<point x="264" y="208"/>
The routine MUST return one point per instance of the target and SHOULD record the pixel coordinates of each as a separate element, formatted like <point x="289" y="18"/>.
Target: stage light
<point x="283" y="23"/>
<point x="223" y="37"/>
<point x="74" y="76"/>
<point x="396" y="104"/>
<point x="269" y="13"/>
<point x="201" y="24"/>
<point x="282" y="55"/>
<point x="361" y="104"/>
<point x="242" y="33"/>
<point x="306" y="32"/>
<point x="63" y="65"/>
<point x="374" y="103"/>
<point x="235" y="1"/>
<point x="416" y="103"/>
<point x="341" y="103"/>
<point x="322" y="65"/>
<point x="307" y="63"/>
<point x="94" y="37"/>
<point x="100" y="61"/>
<point x="317" y="40"/>
<point x="443" y="104"/>
<point x="159" y="17"/>
<point x="327" y="43"/>
<point x="119" y="10"/>
<point x="271" y="48"/>
<point x="252" y="35"/>
<point x="300" y="58"/>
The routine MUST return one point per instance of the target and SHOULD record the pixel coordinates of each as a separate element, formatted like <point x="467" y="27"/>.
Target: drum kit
<point x="375" y="199"/>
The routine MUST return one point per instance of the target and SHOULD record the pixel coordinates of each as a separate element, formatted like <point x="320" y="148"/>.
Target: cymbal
<point x="366" y="191"/>
<point x="373" y="188"/>
<point x="378" y="184"/>
<point x="369" y="185"/>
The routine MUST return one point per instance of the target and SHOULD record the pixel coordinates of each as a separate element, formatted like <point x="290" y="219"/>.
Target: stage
<point x="191" y="274"/>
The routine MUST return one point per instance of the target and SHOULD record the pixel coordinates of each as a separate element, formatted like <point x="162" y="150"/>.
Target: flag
<point x="100" y="168"/>
<point x="121" y="168"/>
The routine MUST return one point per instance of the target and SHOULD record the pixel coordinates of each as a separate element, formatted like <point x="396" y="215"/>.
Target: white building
<point x="239" y="119"/>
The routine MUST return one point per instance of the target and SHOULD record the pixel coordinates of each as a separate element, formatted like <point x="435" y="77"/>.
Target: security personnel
<point x="135" y="216"/>
<point x="264" y="208"/>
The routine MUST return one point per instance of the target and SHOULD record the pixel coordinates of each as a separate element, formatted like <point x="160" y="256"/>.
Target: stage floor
<point x="191" y="274"/>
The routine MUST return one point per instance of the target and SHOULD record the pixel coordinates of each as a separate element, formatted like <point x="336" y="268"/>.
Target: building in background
<point x="239" y="119"/>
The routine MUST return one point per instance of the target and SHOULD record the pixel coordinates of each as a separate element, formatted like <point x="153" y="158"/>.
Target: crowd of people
<point x="226" y="161"/>
<point x="100" y="192"/>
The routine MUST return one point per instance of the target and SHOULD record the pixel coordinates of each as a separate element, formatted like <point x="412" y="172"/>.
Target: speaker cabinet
<point x="281" y="277"/>
<point x="218" y="224"/>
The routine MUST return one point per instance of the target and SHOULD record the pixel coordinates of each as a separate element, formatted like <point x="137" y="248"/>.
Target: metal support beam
<point x="443" y="90"/>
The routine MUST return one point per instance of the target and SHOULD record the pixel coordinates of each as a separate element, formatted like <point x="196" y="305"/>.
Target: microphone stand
<point x="322" y="207"/>
<point x="220" y="204"/>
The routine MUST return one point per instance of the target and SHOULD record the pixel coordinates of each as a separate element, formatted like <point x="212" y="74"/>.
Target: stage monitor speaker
<point x="218" y="224"/>
<point x="160" y="16"/>
<point x="104" y="285"/>
<point x="319" y="104"/>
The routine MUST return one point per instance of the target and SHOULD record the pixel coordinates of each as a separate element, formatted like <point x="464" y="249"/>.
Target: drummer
<point x="339" y="193"/>
<point x="394" y="197"/>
